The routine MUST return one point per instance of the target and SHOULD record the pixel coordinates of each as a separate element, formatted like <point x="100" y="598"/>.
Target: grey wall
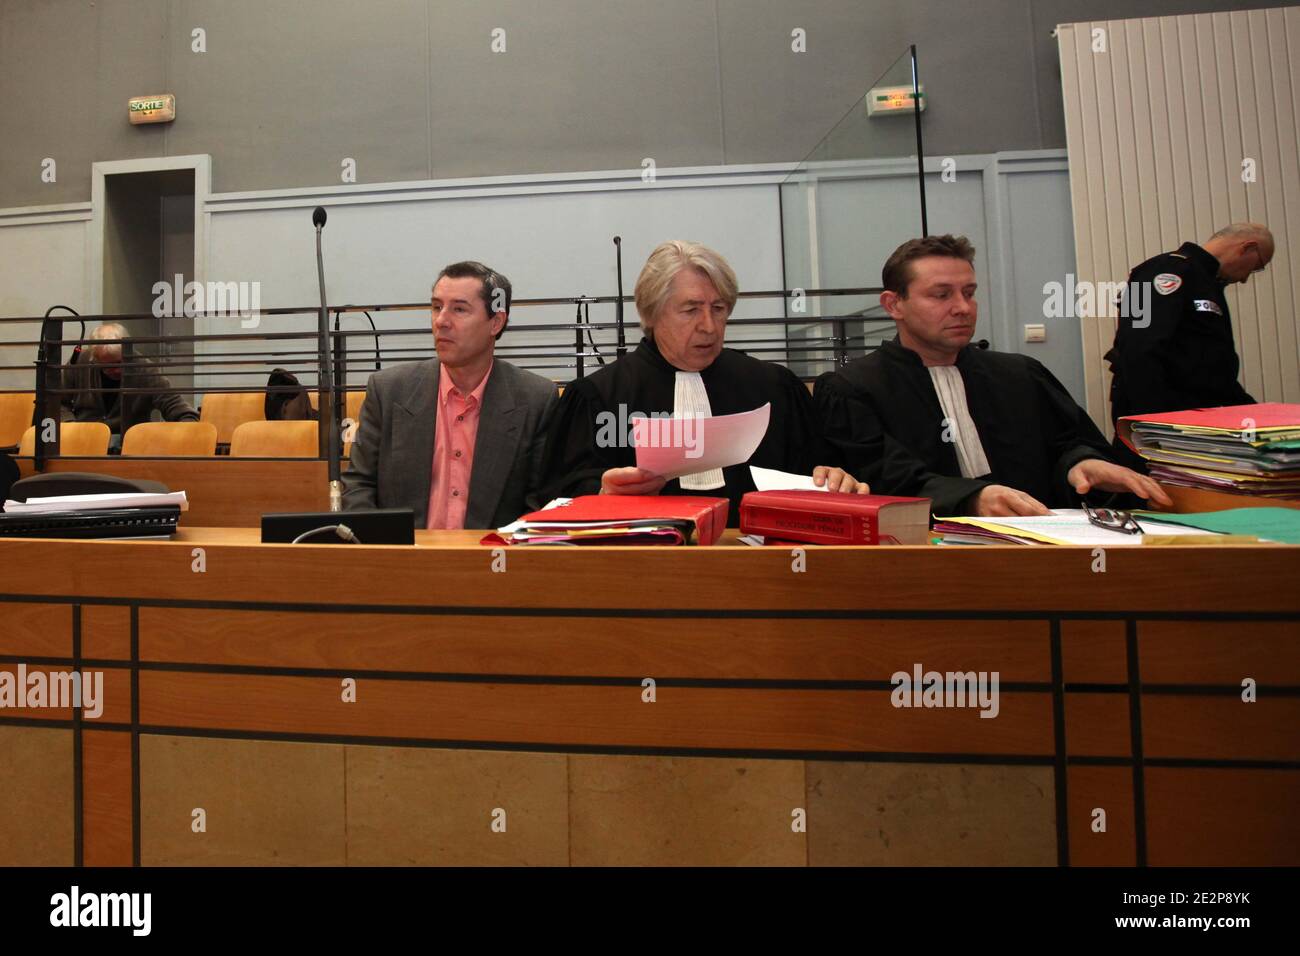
<point x="410" y="89"/>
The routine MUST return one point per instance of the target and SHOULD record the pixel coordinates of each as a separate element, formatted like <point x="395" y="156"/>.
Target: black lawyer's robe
<point x="883" y="415"/>
<point x="643" y="382"/>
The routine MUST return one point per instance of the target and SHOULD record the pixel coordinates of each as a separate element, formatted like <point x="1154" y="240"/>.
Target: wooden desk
<point x="236" y="492"/>
<point x="514" y="693"/>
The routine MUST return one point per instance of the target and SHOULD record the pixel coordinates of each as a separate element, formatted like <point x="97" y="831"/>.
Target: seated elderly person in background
<point x="105" y="369"/>
<point x="684" y="296"/>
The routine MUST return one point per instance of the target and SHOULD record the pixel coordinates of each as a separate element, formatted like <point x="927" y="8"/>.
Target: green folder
<point x="1273" y="524"/>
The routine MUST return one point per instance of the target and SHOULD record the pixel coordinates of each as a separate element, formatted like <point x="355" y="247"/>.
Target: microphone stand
<point x="325" y="386"/>
<point x="340" y="371"/>
<point x="618" y="307"/>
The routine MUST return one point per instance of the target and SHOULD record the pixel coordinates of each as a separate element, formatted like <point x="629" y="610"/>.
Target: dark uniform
<point x="1185" y="357"/>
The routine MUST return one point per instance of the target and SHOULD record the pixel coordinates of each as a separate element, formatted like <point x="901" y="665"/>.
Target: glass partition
<point x="844" y="209"/>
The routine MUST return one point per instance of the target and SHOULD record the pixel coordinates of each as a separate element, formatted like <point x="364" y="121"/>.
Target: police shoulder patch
<point x="1207" y="305"/>
<point x="1167" y="282"/>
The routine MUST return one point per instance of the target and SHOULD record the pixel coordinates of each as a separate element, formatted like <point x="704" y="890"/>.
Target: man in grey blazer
<point x="458" y="439"/>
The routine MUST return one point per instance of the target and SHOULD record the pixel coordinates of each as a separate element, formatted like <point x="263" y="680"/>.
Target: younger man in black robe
<point x="684" y="296"/>
<point x="979" y="432"/>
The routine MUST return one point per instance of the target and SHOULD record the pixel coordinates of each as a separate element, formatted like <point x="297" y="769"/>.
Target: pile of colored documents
<point x="619" y="519"/>
<point x="1243" y="449"/>
<point x="1062" y="526"/>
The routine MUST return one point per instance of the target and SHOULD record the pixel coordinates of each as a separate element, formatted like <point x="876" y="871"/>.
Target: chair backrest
<point x="353" y="403"/>
<point x="15" y="416"/>
<point x="170" y="440"/>
<point x="82" y="439"/>
<point x="295" y="439"/>
<point x="228" y="410"/>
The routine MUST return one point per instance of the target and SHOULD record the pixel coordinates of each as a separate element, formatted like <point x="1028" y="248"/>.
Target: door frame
<point x="201" y="163"/>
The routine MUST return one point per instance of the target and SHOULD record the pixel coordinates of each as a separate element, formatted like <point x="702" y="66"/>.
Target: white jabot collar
<point x="950" y="388"/>
<point x="691" y="400"/>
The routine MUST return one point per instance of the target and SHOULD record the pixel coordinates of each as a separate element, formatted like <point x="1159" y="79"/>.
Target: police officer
<point x="1178" y="352"/>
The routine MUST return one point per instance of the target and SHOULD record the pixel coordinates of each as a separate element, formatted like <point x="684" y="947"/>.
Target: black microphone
<point x="618" y="308"/>
<point x="325" y="385"/>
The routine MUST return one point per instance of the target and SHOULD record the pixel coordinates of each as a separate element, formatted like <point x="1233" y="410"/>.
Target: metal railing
<point x="832" y="339"/>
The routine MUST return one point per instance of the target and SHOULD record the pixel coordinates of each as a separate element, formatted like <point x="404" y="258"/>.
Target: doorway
<point x="148" y="227"/>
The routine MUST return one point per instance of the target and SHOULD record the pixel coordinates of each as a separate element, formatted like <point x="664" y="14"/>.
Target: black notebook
<point x="100" y="523"/>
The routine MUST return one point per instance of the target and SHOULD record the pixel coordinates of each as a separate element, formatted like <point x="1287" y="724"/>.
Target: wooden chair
<point x="228" y="410"/>
<point x="352" y="410"/>
<point x="296" y="439"/>
<point x="79" y="439"/>
<point x="16" y="410"/>
<point x="353" y="403"/>
<point x="170" y="440"/>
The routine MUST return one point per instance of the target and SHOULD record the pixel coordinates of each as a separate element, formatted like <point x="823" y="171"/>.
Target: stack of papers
<point x="1064" y="526"/>
<point x="72" y="503"/>
<point x="1245" y="449"/>
<point x="597" y="532"/>
<point x="618" y="519"/>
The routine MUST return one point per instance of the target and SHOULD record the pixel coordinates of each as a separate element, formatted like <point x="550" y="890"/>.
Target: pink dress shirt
<point x="453" y="450"/>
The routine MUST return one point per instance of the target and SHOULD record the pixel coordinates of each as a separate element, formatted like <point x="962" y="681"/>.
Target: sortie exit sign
<point x="160" y="108"/>
<point x="892" y="99"/>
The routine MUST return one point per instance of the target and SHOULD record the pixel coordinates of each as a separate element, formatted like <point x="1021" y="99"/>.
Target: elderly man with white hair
<point x="1180" y="354"/>
<point x="684" y="296"/>
<point x="95" y="387"/>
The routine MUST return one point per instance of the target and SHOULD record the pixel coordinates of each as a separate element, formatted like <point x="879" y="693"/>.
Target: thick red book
<point x="709" y="515"/>
<point x="833" y="517"/>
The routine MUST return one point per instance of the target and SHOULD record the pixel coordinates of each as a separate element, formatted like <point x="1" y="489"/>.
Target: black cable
<point x="379" y="364"/>
<point x="76" y="351"/>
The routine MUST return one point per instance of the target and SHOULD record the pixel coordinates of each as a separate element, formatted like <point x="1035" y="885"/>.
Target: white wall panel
<point x="1158" y="126"/>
